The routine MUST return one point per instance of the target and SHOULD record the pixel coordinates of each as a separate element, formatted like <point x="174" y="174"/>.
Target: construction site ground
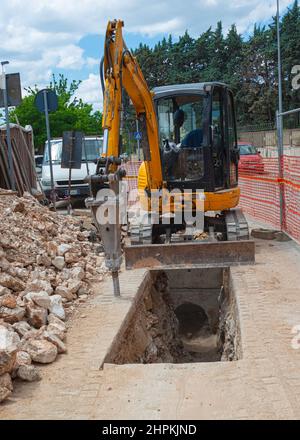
<point x="264" y="384"/>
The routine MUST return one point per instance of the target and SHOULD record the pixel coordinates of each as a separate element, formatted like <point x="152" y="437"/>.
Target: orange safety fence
<point x="260" y="192"/>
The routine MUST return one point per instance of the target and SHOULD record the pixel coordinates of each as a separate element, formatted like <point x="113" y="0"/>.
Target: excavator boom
<point x="122" y="70"/>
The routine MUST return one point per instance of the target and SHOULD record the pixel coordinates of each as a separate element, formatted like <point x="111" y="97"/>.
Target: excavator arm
<point x="121" y="70"/>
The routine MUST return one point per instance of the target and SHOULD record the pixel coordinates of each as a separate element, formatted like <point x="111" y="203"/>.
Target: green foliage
<point x="72" y="113"/>
<point x="249" y="65"/>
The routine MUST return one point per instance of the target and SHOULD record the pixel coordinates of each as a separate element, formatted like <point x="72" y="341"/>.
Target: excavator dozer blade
<point x="192" y="254"/>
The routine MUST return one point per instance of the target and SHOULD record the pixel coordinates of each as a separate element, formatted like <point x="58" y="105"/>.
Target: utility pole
<point x="53" y="195"/>
<point x="8" y="137"/>
<point x="279" y="120"/>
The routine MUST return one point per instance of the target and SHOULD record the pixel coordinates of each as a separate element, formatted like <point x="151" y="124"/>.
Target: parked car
<point x="79" y="188"/>
<point x="38" y="163"/>
<point x="250" y="158"/>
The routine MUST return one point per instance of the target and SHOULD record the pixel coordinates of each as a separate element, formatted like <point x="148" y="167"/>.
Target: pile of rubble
<point x="47" y="265"/>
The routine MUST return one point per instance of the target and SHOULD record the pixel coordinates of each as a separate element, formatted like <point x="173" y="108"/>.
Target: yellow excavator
<point x="191" y="156"/>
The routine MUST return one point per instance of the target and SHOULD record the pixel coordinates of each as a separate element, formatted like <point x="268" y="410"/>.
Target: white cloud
<point x="40" y="35"/>
<point x="90" y="91"/>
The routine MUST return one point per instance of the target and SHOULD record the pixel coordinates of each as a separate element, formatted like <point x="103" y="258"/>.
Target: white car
<point x="93" y="149"/>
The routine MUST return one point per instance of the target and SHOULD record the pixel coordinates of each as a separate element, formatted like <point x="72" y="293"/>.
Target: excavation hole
<point x="181" y="316"/>
<point x="195" y="333"/>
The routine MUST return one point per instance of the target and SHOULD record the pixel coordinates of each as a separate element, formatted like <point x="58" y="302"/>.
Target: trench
<point x="181" y="316"/>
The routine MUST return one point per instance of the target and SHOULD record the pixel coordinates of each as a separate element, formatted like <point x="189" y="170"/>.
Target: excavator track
<point x="236" y="225"/>
<point x="140" y="234"/>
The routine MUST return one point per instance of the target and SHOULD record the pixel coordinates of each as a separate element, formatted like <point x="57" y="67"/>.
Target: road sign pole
<point x="8" y="137"/>
<point x="53" y="197"/>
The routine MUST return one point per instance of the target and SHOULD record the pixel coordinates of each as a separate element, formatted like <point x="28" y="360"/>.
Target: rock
<point x="52" y="249"/>
<point x="18" y="206"/>
<point x="39" y="286"/>
<point x="52" y="319"/>
<point x="9" y="342"/>
<point x="41" y="351"/>
<point x="21" y="328"/>
<point x="4" y="291"/>
<point x="28" y="373"/>
<point x="64" y="292"/>
<point x="57" y="331"/>
<point x="43" y="260"/>
<point x="56" y="307"/>
<point x="22" y="358"/>
<point x="37" y="316"/>
<point x="63" y="248"/>
<point x="11" y="282"/>
<point x="77" y="273"/>
<point x="8" y="301"/>
<point x="12" y="315"/>
<point x="74" y="286"/>
<point x="83" y="291"/>
<point x="41" y="299"/>
<point x="72" y="257"/>
<point x="59" y="263"/>
<point x="4" y="265"/>
<point x="54" y="339"/>
<point x="6" y="386"/>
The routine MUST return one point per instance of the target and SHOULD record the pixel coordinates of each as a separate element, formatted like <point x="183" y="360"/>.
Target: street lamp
<point x="8" y="137"/>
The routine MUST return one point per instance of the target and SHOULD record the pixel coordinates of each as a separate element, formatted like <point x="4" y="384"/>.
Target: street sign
<point x="13" y="87"/>
<point x="51" y="100"/>
<point x="72" y="150"/>
<point x="138" y="135"/>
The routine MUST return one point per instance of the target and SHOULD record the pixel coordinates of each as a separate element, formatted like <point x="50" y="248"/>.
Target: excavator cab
<point x="197" y="136"/>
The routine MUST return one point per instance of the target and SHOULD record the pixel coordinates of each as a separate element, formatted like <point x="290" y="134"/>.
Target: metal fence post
<point x="280" y="166"/>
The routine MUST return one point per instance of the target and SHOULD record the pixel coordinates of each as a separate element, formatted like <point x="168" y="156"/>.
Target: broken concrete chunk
<point x="54" y="339"/>
<point x="74" y="286"/>
<point x="4" y="291"/>
<point x="8" y="301"/>
<point x="63" y="248"/>
<point x="59" y="263"/>
<point x="57" y="331"/>
<point x="6" y="386"/>
<point x="41" y="351"/>
<point x="29" y="373"/>
<point x="77" y="273"/>
<point x="64" y="292"/>
<point x="11" y="282"/>
<point x="9" y="343"/>
<point x="43" y="260"/>
<point x="52" y="319"/>
<point x="12" y="315"/>
<point x="22" y="358"/>
<point x="41" y="299"/>
<point x="37" y="316"/>
<point x="39" y="286"/>
<point x="21" y="328"/>
<point x="56" y="307"/>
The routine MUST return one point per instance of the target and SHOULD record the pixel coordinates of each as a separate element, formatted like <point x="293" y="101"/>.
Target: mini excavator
<point x="189" y="144"/>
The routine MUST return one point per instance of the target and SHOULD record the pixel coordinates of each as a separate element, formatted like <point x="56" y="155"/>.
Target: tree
<point x="72" y="113"/>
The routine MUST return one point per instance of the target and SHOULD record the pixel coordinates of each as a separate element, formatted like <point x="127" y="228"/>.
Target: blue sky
<point x="41" y="37"/>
